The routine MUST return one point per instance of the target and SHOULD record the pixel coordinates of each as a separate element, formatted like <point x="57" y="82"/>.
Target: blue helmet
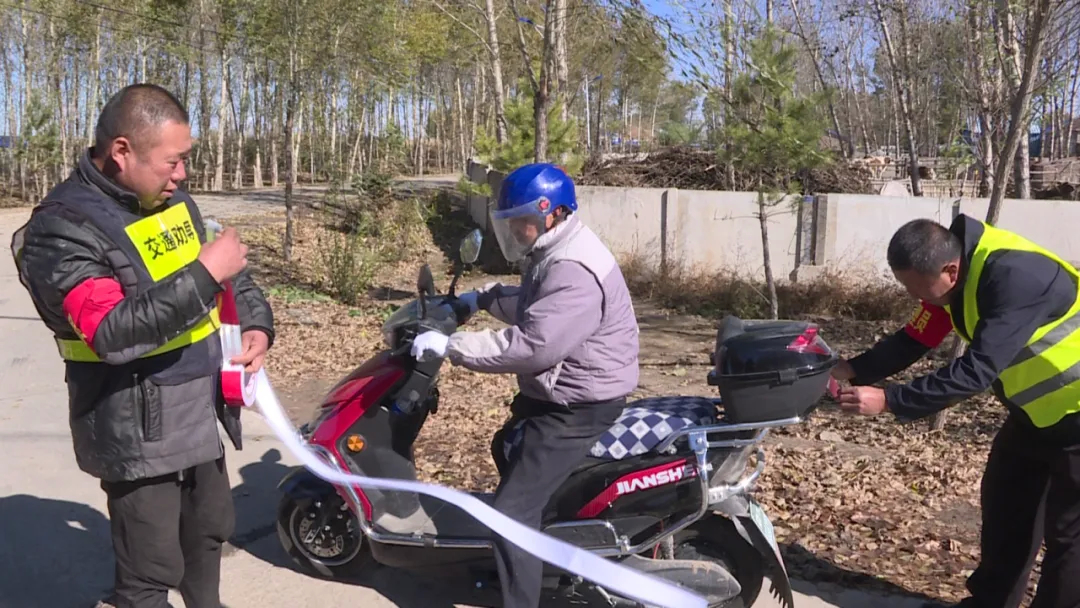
<point x="528" y="195"/>
<point x="528" y="185"/>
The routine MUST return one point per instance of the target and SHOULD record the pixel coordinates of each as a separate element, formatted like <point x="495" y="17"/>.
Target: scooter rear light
<point x="810" y="342"/>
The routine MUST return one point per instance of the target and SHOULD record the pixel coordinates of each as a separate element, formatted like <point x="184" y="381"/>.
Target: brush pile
<point x="691" y="169"/>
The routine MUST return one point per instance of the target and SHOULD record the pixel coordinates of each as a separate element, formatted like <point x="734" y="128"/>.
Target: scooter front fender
<point x="302" y="484"/>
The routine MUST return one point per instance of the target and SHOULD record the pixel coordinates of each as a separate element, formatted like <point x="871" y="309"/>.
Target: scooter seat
<point x="643" y="425"/>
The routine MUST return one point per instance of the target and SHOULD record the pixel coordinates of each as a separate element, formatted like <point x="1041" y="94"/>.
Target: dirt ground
<point x="862" y="503"/>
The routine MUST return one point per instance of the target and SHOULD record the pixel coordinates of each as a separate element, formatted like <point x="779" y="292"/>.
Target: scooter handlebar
<point x="461" y="315"/>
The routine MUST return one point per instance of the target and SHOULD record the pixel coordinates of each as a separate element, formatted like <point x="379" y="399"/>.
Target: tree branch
<point x="479" y="37"/>
<point x="524" y="49"/>
<point x="476" y="7"/>
<point x="1020" y="108"/>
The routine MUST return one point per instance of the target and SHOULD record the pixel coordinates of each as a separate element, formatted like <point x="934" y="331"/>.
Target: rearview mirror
<point x="470" y="246"/>
<point x="425" y="284"/>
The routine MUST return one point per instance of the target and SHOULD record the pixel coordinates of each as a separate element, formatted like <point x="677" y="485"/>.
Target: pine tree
<point x="774" y="128"/>
<point x="518" y="148"/>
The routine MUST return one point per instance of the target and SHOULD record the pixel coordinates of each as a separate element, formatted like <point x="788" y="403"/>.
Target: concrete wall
<point x="698" y="229"/>
<point x="861" y="225"/>
<point x="864" y="225"/>
<point x="629" y="220"/>
<point x="720" y="231"/>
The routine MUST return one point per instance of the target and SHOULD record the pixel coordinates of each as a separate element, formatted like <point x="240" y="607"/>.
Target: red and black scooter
<point x="665" y="491"/>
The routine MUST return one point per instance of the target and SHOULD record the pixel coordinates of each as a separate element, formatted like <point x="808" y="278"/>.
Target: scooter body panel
<point x="407" y="557"/>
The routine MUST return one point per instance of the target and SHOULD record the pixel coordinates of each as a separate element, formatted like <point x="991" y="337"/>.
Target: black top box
<point x="770" y="370"/>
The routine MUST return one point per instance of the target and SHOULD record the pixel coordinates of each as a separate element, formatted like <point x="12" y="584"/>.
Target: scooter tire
<point x="716" y="539"/>
<point x="288" y="512"/>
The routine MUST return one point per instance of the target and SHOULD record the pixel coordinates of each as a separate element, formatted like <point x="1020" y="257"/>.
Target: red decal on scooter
<point x="645" y="479"/>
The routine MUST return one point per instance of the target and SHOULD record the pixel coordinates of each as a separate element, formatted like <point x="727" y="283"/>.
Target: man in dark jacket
<point x="1016" y="305"/>
<point x="116" y="261"/>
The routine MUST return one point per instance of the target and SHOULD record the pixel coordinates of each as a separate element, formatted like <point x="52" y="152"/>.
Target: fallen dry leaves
<point x="858" y="502"/>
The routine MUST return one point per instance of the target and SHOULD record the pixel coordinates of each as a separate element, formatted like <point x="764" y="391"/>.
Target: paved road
<point x="264" y="199"/>
<point x="54" y="540"/>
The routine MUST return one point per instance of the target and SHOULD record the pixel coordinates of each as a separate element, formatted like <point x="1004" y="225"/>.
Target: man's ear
<point x="120" y="152"/>
<point x="953" y="270"/>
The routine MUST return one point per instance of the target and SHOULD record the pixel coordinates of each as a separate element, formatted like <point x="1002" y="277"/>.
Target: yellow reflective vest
<point x="166" y="242"/>
<point x="1044" y="378"/>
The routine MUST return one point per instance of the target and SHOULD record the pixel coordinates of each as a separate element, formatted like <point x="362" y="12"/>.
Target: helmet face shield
<point x="518" y="228"/>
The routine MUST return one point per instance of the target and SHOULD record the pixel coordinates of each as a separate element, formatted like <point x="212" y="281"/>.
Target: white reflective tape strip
<point x="613" y="577"/>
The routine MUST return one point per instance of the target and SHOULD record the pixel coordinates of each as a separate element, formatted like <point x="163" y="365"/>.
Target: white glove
<point x="470" y="298"/>
<point x="430" y="345"/>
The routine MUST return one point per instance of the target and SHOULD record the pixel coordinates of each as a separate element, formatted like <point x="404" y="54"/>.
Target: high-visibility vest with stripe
<point x="79" y="351"/>
<point x="156" y="247"/>
<point x="166" y="242"/>
<point x="1044" y="378"/>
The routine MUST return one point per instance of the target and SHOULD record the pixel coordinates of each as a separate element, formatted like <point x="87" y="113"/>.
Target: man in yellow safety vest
<point x="1016" y="305"/>
<point x="116" y="261"/>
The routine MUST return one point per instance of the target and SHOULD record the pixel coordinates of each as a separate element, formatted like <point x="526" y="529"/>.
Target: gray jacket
<point x="573" y="335"/>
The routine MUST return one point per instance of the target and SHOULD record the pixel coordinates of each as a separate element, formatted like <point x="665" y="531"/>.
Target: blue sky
<point x="663" y="9"/>
<point x="675" y="13"/>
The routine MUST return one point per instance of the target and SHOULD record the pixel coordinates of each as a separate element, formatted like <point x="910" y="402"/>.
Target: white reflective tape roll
<point x="613" y="577"/>
<point x="237" y="385"/>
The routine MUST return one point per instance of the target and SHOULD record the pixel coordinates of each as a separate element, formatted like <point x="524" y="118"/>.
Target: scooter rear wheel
<point x="715" y="539"/>
<point x="323" y="537"/>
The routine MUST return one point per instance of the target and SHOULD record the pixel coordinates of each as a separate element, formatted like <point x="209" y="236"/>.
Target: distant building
<point x="1073" y="144"/>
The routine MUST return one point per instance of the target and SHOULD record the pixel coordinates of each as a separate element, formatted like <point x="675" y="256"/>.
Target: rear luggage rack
<point x="724" y="427"/>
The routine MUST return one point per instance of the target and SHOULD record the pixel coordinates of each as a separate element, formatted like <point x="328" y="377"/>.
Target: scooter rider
<point x="572" y="340"/>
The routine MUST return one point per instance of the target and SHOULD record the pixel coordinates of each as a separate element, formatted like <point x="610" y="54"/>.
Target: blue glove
<point x="470" y="298"/>
<point x="430" y="345"/>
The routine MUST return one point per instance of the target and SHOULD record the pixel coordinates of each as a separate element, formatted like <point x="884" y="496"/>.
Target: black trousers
<point x="167" y="533"/>
<point x="556" y="439"/>
<point x="1030" y="494"/>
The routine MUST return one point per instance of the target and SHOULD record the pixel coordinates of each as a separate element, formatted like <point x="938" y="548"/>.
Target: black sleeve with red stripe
<point x="891" y="355"/>
<point x="62" y="253"/>
<point x="927" y="328"/>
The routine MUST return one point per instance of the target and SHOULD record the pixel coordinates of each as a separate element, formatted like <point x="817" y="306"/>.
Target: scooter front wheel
<point x="322" y="536"/>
